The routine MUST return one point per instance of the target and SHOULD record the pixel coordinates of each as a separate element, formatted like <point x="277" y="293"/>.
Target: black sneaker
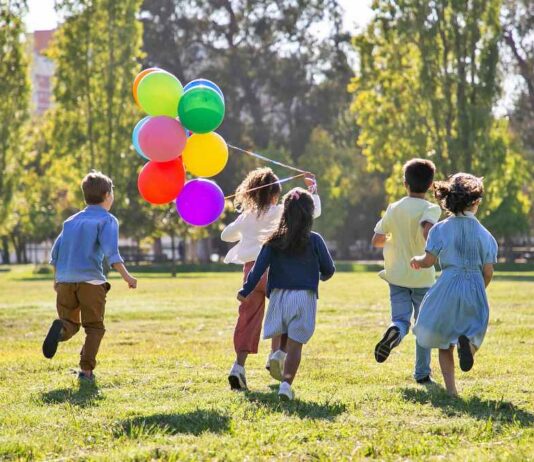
<point x="425" y="381"/>
<point x="52" y="339"/>
<point x="465" y="355"/>
<point x="389" y="341"/>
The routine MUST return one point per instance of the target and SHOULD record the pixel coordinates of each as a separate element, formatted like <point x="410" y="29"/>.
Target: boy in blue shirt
<point x="77" y="256"/>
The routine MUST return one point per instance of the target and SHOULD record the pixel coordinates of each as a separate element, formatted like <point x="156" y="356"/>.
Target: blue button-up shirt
<point x="86" y="238"/>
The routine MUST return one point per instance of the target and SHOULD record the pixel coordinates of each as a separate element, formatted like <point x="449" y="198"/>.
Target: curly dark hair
<point x="260" y="199"/>
<point x="293" y="233"/>
<point x="458" y="192"/>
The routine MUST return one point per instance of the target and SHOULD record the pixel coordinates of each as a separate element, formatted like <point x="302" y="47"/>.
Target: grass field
<point x="162" y="388"/>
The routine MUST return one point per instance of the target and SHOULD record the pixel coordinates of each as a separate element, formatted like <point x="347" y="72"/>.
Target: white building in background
<point x="42" y="70"/>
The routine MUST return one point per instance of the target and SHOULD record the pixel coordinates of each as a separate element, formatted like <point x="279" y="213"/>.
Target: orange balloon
<point x="138" y="79"/>
<point x="161" y="182"/>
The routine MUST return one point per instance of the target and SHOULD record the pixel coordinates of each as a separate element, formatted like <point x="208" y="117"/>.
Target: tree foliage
<point x="282" y="65"/>
<point x="97" y="52"/>
<point x="14" y="105"/>
<point x="426" y="86"/>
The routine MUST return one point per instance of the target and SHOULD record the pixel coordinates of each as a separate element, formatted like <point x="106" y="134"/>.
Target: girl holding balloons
<point x="257" y="201"/>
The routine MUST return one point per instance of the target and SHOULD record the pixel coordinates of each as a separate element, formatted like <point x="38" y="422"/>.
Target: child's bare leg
<point x="241" y="357"/>
<point x="275" y="343"/>
<point x="294" y="352"/>
<point x="446" y="362"/>
<point x="282" y="342"/>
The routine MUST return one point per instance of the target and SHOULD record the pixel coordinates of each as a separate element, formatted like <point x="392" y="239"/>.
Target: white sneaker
<point x="237" y="378"/>
<point x="285" y="393"/>
<point x="276" y="364"/>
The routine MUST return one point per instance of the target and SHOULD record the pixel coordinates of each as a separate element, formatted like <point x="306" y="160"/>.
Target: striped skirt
<point x="291" y="312"/>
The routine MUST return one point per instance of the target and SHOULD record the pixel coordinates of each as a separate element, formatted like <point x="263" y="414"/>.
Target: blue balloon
<point x="135" y="137"/>
<point x="206" y="83"/>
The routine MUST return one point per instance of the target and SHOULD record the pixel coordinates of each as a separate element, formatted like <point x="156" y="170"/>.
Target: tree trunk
<point x="157" y="248"/>
<point x="508" y="250"/>
<point x="25" y="252"/>
<point x="173" y="255"/>
<point x="5" y="250"/>
<point x="137" y="251"/>
<point x="17" y="246"/>
<point x="190" y="251"/>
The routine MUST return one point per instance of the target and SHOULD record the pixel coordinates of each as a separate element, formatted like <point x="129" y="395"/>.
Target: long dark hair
<point x="458" y="192"/>
<point x="293" y="233"/>
<point x="259" y="200"/>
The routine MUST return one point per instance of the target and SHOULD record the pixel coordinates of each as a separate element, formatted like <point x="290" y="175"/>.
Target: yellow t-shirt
<point x="402" y="225"/>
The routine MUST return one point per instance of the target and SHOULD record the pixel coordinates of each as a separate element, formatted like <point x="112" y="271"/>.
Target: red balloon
<point x="161" y="182"/>
<point x="162" y="138"/>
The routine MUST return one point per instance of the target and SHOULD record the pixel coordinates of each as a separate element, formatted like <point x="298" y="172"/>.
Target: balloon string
<point x="266" y="159"/>
<point x="284" y="180"/>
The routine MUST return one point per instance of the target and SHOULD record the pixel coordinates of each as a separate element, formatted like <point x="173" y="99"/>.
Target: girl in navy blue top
<point x="297" y="258"/>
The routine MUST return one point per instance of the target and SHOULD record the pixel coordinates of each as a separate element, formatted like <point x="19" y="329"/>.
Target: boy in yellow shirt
<point x="402" y="232"/>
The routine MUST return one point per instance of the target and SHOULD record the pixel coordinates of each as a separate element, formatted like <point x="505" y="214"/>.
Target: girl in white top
<point x="259" y="217"/>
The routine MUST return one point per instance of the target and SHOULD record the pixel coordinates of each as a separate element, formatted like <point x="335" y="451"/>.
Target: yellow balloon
<point x="205" y="154"/>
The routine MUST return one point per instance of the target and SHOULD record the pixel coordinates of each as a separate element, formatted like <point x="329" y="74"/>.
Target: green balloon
<point x="201" y="109"/>
<point x="159" y="93"/>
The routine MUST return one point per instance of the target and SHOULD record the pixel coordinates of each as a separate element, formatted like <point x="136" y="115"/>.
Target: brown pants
<point x="85" y="302"/>
<point x="248" y="328"/>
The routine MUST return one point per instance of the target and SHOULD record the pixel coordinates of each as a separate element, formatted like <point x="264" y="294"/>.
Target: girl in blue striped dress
<point x="455" y="310"/>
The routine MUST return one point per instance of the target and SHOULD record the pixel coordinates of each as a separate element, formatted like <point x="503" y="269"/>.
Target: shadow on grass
<point x="86" y="395"/>
<point x="498" y="411"/>
<point x="194" y="423"/>
<point x="302" y="409"/>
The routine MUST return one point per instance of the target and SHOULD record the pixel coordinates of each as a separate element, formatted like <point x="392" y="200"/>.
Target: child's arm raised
<point x="261" y="265"/>
<point x="423" y="261"/>
<point x="311" y="184"/>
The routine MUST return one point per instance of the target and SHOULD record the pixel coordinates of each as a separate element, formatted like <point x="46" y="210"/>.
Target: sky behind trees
<point x="43" y="16"/>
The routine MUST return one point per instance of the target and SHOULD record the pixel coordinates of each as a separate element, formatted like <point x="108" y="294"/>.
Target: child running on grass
<point x="256" y="198"/>
<point x="297" y="258"/>
<point x="455" y="310"/>
<point x="77" y="256"/>
<point x="402" y="232"/>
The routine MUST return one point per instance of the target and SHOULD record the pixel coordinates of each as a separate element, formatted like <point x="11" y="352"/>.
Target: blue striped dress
<point x="457" y="303"/>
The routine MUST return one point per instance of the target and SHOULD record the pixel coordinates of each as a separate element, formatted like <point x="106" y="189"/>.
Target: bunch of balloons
<point x="177" y="136"/>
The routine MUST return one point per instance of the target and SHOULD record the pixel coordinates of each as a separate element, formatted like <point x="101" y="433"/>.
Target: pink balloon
<point x="162" y="139"/>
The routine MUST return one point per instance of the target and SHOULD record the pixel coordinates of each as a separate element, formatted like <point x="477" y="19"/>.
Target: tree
<point x="281" y="77"/>
<point x="97" y="51"/>
<point x="14" y="102"/>
<point x="518" y="35"/>
<point x="351" y="196"/>
<point x="426" y="87"/>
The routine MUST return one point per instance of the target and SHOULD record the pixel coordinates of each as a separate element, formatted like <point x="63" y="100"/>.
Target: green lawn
<point x="163" y="394"/>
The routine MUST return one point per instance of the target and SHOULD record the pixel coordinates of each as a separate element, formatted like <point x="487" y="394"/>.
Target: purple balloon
<point x="200" y="203"/>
